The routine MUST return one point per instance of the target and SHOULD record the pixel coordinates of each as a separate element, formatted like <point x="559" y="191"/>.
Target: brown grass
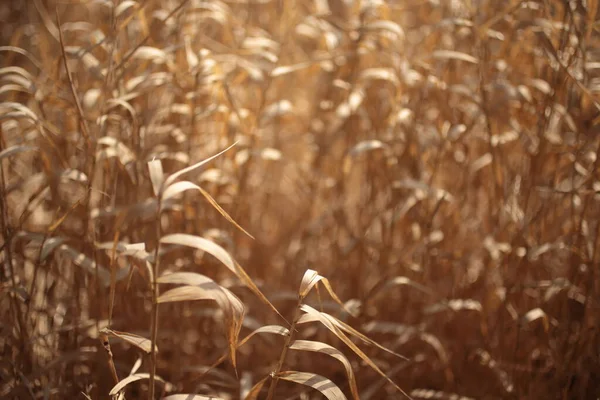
<point x="436" y="161"/>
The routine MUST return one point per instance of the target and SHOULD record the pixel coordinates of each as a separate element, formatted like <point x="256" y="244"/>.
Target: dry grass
<point x="436" y="161"/>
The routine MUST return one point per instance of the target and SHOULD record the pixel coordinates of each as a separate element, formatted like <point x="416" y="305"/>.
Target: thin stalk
<point x="288" y="343"/>
<point x="154" y="319"/>
<point x="8" y="259"/>
<point x="109" y="354"/>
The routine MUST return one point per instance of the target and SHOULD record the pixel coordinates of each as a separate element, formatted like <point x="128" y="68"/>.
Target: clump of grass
<point x="436" y="161"/>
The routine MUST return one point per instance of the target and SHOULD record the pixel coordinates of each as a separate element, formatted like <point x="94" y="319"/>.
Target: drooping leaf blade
<point x="317" y="382"/>
<point x="324" y="348"/>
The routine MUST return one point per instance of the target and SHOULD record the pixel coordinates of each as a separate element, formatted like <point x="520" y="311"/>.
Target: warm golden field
<point x="434" y="161"/>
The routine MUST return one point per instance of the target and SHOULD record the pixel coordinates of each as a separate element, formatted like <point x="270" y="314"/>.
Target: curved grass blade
<point x="310" y="279"/>
<point x="324" y="348"/>
<point x="172" y="178"/>
<point x="200" y="287"/>
<point x="222" y="255"/>
<point x="138" y="341"/>
<point x="131" y="378"/>
<point x="15" y="150"/>
<point x="333" y="325"/>
<point x="317" y="382"/>
<point x="255" y="391"/>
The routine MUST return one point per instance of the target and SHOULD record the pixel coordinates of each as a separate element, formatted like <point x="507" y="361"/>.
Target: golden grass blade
<point x="317" y="382"/>
<point x="49" y="245"/>
<point x="221" y="254"/>
<point x="131" y="378"/>
<point x="136" y="366"/>
<point x="350" y="330"/>
<point x="138" y="341"/>
<point x="149" y="53"/>
<point x="537" y="314"/>
<point x="15" y="150"/>
<point x="156" y="175"/>
<point x="23" y="52"/>
<point x="320" y="347"/>
<point x="386" y="26"/>
<point x="205" y="291"/>
<point x="137" y="250"/>
<point x="310" y="279"/>
<point x="178" y="188"/>
<point x="172" y="178"/>
<point x="255" y="391"/>
<point x="18" y="110"/>
<point x="216" y="205"/>
<point x="333" y="325"/>
<point x="379" y="74"/>
<point x="454" y="55"/>
<point x="124" y="6"/>
<point x="274" y="329"/>
<point x="387" y="284"/>
<point x="200" y="243"/>
<point x="200" y="287"/>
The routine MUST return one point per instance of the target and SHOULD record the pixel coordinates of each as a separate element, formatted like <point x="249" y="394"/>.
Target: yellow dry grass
<point x="267" y="199"/>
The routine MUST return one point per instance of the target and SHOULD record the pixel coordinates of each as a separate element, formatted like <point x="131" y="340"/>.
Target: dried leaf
<point x="320" y="347"/>
<point x="49" y="245"/>
<point x="156" y="175"/>
<point x="74" y="175"/>
<point x="537" y="314"/>
<point x="398" y="281"/>
<point x="178" y="188"/>
<point x="19" y="111"/>
<point x="131" y="378"/>
<point x="310" y="279"/>
<point x="454" y="55"/>
<point x="124" y="6"/>
<point x="172" y="178"/>
<point x="221" y="211"/>
<point x="255" y="391"/>
<point x="222" y="255"/>
<point x="333" y="325"/>
<point x="367" y="145"/>
<point x="383" y="74"/>
<point x="136" y="365"/>
<point x="384" y="25"/>
<point x="200" y="287"/>
<point x="206" y="245"/>
<point x="149" y="53"/>
<point x="348" y="329"/>
<point x="15" y="150"/>
<point x="137" y="341"/>
<point x="317" y="382"/>
<point x="274" y="329"/>
<point x="287" y="69"/>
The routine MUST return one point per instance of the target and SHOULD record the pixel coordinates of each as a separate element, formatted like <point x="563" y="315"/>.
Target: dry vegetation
<point x="435" y="160"/>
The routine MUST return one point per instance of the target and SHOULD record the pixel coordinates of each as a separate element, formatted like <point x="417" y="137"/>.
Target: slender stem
<point x="6" y="230"/>
<point x="288" y="342"/>
<point x="109" y="354"/>
<point x="154" y="319"/>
